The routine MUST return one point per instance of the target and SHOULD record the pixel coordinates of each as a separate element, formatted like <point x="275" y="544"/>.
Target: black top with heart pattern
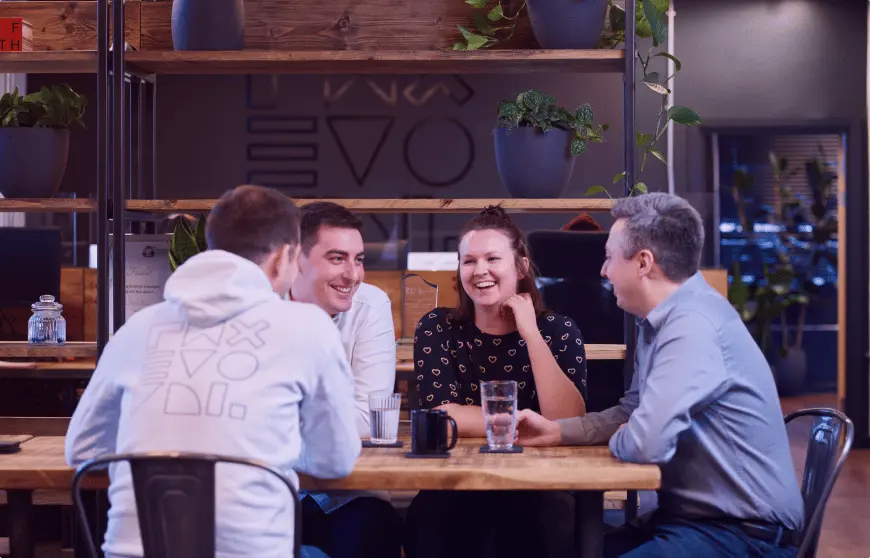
<point x="451" y="358"/>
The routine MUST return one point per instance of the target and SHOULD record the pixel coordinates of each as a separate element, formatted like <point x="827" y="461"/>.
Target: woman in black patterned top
<point x="498" y="331"/>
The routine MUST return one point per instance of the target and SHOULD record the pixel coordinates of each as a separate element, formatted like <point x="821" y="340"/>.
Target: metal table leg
<point x="20" y="504"/>
<point x="589" y="529"/>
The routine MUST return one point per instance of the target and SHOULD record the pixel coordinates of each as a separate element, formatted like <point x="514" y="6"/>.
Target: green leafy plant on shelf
<point x="186" y="242"/>
<point x="650" y="23"/>
<point x="56" y="106"/>
<point x="492" y="25"/>
<point x="538" y="110"/>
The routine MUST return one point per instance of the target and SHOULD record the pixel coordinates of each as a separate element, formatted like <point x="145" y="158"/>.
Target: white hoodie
<point x="222" y="366"/>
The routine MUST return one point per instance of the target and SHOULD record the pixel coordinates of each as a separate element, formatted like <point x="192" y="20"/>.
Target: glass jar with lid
<point x="46" y="326"/>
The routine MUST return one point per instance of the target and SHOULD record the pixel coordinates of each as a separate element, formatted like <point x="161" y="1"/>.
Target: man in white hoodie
<point x="226" y="366"/>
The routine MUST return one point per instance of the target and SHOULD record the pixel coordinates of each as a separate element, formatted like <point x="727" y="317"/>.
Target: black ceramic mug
<point x="429" y="432"/>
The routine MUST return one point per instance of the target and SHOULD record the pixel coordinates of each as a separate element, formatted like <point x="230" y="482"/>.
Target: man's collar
<point x="657" y="315"/>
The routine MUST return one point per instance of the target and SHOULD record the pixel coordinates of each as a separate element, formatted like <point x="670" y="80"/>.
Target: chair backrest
<point x="824" y="461"/>
<point x="175" y="501"/>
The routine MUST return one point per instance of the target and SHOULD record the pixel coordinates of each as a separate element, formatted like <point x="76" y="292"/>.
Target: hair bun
<point x="495" y="211"/>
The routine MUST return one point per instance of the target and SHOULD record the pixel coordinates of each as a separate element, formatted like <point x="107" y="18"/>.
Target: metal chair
<point x="175" y="501"/>
<point x="821" y="469"/>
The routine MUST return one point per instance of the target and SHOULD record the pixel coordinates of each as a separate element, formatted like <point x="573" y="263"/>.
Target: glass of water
<point x="384" y="417"/>
<point x="499" y="402"/>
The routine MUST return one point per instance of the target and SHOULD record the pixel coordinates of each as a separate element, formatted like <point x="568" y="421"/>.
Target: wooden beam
<point x="339" y="25"/>
<point x="70" y="25"/>
<point x="396" y="205"/>
<point x="23" y="349"/>
<point x="378" y="62"/>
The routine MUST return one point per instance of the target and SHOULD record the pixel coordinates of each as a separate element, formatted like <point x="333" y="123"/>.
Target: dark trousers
<point x="366" y="527"/>
<point x="490" y="524"/>
<point x="659" y="535"/>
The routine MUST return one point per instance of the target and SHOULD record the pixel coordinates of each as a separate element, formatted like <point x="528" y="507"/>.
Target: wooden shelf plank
<point x="405" y="354"/>
<point x="390" y="205"/>
<point x="49" y="62"/>
<point x="22" y="349"/>
<point x="377" y="62"/>
<point x="372" y="205"/>
<point x="48" y="205"/>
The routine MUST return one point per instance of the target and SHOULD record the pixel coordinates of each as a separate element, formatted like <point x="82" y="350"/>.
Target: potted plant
<point x="556" y="24"/>
<point x="536" y="142"/>
<point x="787" y="282"/>
<point x="34" y="139"/>
<point x="187" y="241"/>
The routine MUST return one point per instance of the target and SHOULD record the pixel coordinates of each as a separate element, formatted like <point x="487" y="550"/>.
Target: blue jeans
<point x="658" y="535"/>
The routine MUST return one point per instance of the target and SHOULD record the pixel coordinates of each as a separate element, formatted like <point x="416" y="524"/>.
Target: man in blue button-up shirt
<point x="702" y="403"/>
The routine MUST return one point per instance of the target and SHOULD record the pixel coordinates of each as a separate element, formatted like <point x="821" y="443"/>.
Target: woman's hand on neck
<point x="491" y="320"/>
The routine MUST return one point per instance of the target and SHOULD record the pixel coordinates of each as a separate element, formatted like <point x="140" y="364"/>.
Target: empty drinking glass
<point x="499" y="402"/>
<point x="384" y="417"/>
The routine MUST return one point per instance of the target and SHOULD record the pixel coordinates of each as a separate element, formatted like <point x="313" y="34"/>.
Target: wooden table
<point x="589" y="471"/>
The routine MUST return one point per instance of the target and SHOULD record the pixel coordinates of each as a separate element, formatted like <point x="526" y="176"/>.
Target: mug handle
<point x="455" y="436"/>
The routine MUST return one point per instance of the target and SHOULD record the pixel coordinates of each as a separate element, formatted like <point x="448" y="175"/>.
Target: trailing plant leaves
<point x="677" y="64"/>
<point x="684" y="115"/>
<point x="656" y="19"/>
<point x="597" y="189"/>
<point x="476" y="3"/>
<point x="640" y="187"/>
<point x="474" y="40"/>
<point x="619" y="177"/>
<point x="482" y="24"/>
<point x="657" y="154"/>
<point x="578" y="146"/>
<point x="584" y="115"/>
<point x="660" y="89"/>
<point x="641" y="139"/>
<point x="496" y="13"/>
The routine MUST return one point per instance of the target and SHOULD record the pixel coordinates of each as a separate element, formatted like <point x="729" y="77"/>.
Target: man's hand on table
<point x="535" y="430"/>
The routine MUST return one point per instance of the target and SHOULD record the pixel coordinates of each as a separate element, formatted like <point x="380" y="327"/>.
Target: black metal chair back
<point x="824" y="461"/>
<point x="175" y="501"/>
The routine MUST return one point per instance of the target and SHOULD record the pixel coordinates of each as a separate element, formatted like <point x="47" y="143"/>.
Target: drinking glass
<point x="499" y="402"/>
<point x="384" y="417"/>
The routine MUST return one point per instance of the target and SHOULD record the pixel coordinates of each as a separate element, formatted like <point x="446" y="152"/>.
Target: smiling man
<point x="702" y="404"/>
<point x="331" y="274"/>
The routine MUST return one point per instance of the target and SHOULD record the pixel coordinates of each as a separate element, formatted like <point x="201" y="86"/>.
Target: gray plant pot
<point x="533" y="164"/>
<point x="32" y="161"/>
<point x="561" y="24"/>
<point x="208" y="24"/>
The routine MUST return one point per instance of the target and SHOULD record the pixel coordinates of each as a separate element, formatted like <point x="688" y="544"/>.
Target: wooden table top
<point x="40" y="465"/>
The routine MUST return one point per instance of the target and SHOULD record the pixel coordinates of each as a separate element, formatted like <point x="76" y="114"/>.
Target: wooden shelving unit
<point x="307" y="38"/>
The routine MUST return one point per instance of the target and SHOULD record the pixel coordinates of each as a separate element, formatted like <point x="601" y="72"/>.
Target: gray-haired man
<point x="702" y="403"/>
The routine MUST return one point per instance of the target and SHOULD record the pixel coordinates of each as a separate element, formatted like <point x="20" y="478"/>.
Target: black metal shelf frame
<point x="122" y="175"/>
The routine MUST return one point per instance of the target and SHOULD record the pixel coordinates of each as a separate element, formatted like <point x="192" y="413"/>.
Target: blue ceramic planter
<point x="567" y="24"/>
<point x="533" y="164"/>
<point x="208" y="24"/>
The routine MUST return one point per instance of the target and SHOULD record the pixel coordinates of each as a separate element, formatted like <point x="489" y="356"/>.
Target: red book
<point x="16" y="35"/>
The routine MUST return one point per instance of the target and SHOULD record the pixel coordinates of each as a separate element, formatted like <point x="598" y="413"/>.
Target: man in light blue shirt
<point x="702" y="403"/>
